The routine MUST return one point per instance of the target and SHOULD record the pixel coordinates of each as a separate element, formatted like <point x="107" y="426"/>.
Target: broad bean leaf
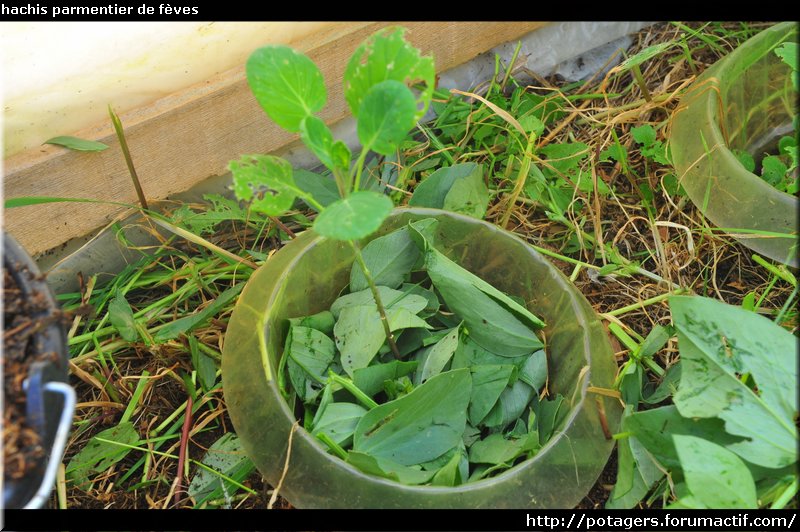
<point x="716" y="477"/>
<point x="339" y="421"/>
<point x="359" y="332"/>
<point x="390" y="297"/>
<point x="493" y="320"/>
<point x="386" y="468"/>
<point x="287" y="84"/>
<point x="636" y="473"/>
<point x="449" y="474"/>
<point x="488" y="382"/>
<point x="510" y="406"/>
<point x="310" y="353"/>
<point x="549" y="414"/>
<point x="389" y="259"/>
<point x="720" y="342"/>
<point x="385" y="117"/>
<point x="266" y="181"/>
<point x="534" y="370"/>
<point x="387" y="56"/>
<point x="226" y="456"/>
<point x="420" y="426"/>
<point x="321" y="321"/>
<point x="653" y="429"/>
<point x="496" y="449"/>
<point x="435" y="357"/>
<point x="354" y="217"/>
<point x="105" y="449"/>
<point x="457" y="188"/>
<point x="371" y="378"/>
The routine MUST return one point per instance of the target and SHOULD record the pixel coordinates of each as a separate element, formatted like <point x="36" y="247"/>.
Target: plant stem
<point x="350" y="386"/>
<point x="332" y="445"/>
<point x="655" y="299"/>
<point x="381" y="309"/>
<point x="786" y="496"/>
<point x="359" y="168"/>
<point x="123" y="144"/>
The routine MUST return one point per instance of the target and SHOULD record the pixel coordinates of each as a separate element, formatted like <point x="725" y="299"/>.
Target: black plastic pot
<point x="50" y="401"/>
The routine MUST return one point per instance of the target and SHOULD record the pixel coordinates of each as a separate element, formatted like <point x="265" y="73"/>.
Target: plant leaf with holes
<point x="354" y="217"/>
<point x="386" y="55"/>
<point x="287" y="85"/>
<point x="266" y="182"/>
<point x="720" y="342"/>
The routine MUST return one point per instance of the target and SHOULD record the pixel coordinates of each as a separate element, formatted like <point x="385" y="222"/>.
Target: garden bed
<point x="146" y="344"/>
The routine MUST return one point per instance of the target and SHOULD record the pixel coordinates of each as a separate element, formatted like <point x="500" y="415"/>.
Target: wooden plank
<point x="189" y="136"/>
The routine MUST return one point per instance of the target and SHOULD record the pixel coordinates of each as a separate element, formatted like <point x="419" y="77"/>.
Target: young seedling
<point x="290" y="89"/>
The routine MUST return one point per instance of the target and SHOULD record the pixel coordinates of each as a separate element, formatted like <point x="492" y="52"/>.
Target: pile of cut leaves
<point x="460" y="399"/>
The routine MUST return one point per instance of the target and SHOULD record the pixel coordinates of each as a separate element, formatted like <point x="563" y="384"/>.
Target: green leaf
<point x="318" y="138"/>
<point x="773" y="171"/>
<point x="101" y="453"/>
<point x="420" y="426"/>
<point x="321" y="321"/>
<point x="386" y="55"/>
<point x="449" y="475"/>
<point x="389" y="259"/>
<point x="510" y="405"/>
<point x="746" y="160"/>
<point x="533" y="371"/>
<point x="643" y="55"/>
<point x="789" y="54"/>
<point x="656" y="339"/>
<point x="566" y="157"/>
<point x="354" y="217"/>
<point x="359" y="332"/>
<point x="287" y="84"/>
<point x="496" y="449"/>
<point x="434" y="358"/>
<point x="386" y="468"/>
<point x="385" y="117"/>
<point x="227" y="457"/>
<point x="121" y="317"/>
<point x="458" y="188"/>
<point x="370" y="379"/>
<point x="532" y="124"/>
<point x="266" y="181"/>
<point x="644" y="135"/>
<point x="617" y="152"/>
<point x="312" y="350"/>
<point x="204" y="365"/>
<point x="654" y="429"/>
<point x="321" y="188"/>
<point x="720" y="342"/>
<point x="339" y="421"/>
<point x="493" y="320"/>
<point x="549" y="415"/>
<point x="636" y="474"/>
<point x="488" y="382"/>
<point x="183" y="325"/>
<point x="390" y="297"/>
<point x="222" y="209"/>
<point x="715" y="476"/>
<point x="668" y="386"/>
<point x="75" y="143"/>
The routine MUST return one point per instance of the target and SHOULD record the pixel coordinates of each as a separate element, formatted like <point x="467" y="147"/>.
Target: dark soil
<point x="22" y="446"/>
